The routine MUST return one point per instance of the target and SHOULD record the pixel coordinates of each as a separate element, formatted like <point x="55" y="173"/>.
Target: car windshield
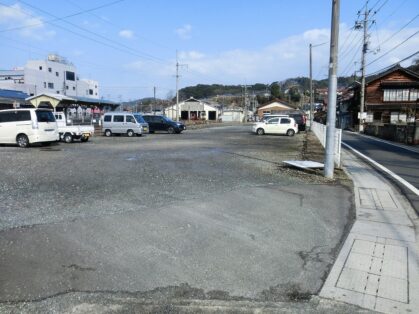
<point x="45" y="116"/>
<point x="139" y="118"/>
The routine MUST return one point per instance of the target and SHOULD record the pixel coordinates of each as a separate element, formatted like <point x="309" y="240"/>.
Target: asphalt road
<point x="401" y="161"/>
<point x="208" y="214"/>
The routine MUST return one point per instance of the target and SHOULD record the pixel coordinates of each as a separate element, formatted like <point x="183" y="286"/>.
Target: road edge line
<point x="384" y="169"/>
<point x="385" y="142"/>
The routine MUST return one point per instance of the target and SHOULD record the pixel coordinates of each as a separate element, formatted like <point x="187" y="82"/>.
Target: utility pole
<point x="177" y="89"/>
<point x="364" y="52"/>
<point x="311" y="81"/>
<point x="311" y="87"/>
<point x="154" y="99"/>
<point x="177" y="86"/>
<point x="329" y="163"/>
<point x="246" y="105"/>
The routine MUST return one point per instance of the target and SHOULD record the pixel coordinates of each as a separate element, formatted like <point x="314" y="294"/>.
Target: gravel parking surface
<point x="212" y="209"/>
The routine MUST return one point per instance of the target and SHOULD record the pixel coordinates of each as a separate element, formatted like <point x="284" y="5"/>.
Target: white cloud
<point x="126" y="33"/>
<point x="184" y="32"/>
<point x="25" y="22"/>
<point x="283" y="59"/>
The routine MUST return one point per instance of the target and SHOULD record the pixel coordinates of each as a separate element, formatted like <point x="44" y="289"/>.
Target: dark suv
<point x="162" y="123"/>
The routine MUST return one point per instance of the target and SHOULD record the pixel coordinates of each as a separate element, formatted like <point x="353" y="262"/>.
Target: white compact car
<point x="276" y="125"/>
<point x="26" y="126"/>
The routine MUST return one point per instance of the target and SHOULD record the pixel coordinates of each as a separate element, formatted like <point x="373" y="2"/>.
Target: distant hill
<point x="296" y="86"/>
<point x="201" y="91"/>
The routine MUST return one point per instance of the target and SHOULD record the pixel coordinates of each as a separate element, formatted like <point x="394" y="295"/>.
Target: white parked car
<point x="276" y="125"/>
<point x="26" y="126"/>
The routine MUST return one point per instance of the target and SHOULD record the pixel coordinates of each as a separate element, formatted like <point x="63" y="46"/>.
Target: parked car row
<point x="27" y="126"/>
<point x="137" y="124"/>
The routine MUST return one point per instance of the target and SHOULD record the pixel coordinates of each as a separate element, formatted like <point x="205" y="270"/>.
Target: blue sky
<point x="224" y="42"/>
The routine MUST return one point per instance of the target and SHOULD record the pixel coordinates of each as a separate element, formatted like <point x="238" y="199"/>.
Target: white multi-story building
<point x="55" y="75"/>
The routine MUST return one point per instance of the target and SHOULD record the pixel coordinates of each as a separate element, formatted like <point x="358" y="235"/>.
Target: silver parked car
<point x="121" y="123"/>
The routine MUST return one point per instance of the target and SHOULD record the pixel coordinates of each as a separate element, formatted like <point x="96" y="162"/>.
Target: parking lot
<point x="210" y="209"/>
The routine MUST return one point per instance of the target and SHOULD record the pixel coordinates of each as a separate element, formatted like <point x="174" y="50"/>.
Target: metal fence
<point x="320" y="131"/>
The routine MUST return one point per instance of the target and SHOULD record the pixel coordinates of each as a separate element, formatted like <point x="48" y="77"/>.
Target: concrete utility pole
<point x="311" y="81"/>
<point x="246" y="105"/>
<point x="364" y="52"/>
<point x="177" y="89"/>
<point x="154" y="99"/>
<point x="329" y="163"/>
<point x="177" y="86"/>
<point x="311" y="87"/>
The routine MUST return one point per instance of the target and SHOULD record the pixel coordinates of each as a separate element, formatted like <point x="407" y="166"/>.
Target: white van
<point x="27" y="126"/>
<point x="121" y="123"/>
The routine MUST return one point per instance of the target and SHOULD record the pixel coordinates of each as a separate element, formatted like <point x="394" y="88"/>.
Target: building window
<point x="396" y="95"/>
<point x="377" y="116"/>
<point x="95" y="86"/>
<point x="51" y="85"/>
<point x="40" y="67"/>
<point x="74" y="88"/>
<point x="66" y="87"/>
<point x="56" y="74"/>
<point x="70" y="76"/>
<point x="90" y="91"/>
<point x="95" y="94"/>
<point x="45" y="84"/>
<point x="58" y="91"/>
<point x="49" y="70"/>
<point x="414" y="95"/>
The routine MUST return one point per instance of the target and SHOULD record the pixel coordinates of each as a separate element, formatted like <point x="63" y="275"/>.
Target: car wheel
<point x="130" y="133"/>
<point x="108" y="133"/>
<point x="260" y="131"/>
<point x="171" y="130"/>
<point x="68" y="138"/>
<point x="290" y="132"/>
<point x="22" y="141"/>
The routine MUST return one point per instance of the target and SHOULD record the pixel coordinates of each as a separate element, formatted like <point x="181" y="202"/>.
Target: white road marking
<point x="385" y="142"/>
<point x="382" y="168"/>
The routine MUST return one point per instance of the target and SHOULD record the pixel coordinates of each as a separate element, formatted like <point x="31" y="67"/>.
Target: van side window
<point x="8" y="116"/>
<point x="129" y="119"/>
<point x="107" y="118"/>
<point x="23" y="115"/>
<point x="118" y="118"/>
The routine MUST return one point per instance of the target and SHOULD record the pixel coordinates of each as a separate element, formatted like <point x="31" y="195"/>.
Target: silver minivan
<point x="121" y="123"/>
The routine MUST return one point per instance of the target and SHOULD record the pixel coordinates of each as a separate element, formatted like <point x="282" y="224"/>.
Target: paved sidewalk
<point x="378" y="265"/>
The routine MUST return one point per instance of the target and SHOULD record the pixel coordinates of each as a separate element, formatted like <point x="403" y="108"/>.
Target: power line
<point x="89" y="38"/>
<point x="395" y="33"/>
<point x="151" y="57"/>
<point x="392" y="65"/>
<point x="117" y="26"/>
<point x="395" y="47"/>
<point x="59" y="18"/>
<point x="395" y="10"/>
<point x="378" y="1"/>
<point x="378" y="10"/>
<point x="350" y="46"/>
